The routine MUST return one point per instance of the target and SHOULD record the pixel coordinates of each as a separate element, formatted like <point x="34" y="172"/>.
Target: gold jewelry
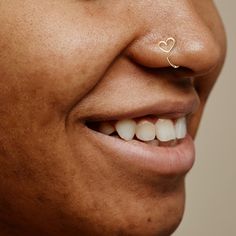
<point x="167" y="46"/>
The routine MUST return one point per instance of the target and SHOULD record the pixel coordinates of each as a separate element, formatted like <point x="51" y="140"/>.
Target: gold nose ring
<point x="167" y="46"/>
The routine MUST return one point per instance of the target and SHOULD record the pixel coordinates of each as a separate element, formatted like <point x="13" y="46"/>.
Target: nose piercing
<point x="167" y="46"/>
<point x="171" y="64"/>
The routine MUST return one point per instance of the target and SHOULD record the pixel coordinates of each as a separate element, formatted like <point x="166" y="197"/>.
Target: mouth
<point x="150" y="130"/>
<point x="158" y="145"/>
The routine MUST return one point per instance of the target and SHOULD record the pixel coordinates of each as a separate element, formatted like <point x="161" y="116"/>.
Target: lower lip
<point x="177" y="160"/>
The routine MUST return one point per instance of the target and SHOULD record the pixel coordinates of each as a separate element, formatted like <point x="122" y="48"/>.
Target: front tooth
<point x="181" y="128"/>
<point x="126" y="129"/>
<point x="165" y="130"/>
<point x="106" y="128"/>
<point x="145" y="130"/>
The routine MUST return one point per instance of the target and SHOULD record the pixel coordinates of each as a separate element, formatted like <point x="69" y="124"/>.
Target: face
<point x="85" y="85"/>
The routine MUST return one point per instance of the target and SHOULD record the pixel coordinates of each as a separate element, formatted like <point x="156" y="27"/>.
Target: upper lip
<point x="168" y="109"/>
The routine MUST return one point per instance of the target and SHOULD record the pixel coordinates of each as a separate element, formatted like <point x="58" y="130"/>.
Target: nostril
<point x="194" y="54"/>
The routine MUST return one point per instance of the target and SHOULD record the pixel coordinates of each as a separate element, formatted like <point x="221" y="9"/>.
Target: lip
<point x="161" y="161"/>
<point x="163" y="109"/>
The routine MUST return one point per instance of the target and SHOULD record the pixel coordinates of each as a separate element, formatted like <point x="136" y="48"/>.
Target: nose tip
<point x="200" y="54"/>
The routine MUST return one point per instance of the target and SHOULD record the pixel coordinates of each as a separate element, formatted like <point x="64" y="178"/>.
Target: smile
<point x="151" y="144"/>
<point x="151" y="130"/>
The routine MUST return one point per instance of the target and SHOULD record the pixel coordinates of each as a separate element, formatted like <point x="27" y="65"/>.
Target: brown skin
<point x="59" y="59"/>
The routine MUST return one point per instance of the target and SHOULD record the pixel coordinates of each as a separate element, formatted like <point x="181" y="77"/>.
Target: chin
<point x="150" y="211"/>
<point x="148" y="223"/>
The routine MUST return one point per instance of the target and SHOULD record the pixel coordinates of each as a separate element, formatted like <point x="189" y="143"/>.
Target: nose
<point x="182" y="39"/>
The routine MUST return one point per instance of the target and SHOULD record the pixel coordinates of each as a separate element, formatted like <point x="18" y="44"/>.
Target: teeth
<point x="181" y="128"/>
<point x="165" y="130"/>
<point x="106" y="128"/>
<point x="126" y="129"/>
<point x="145" y="130"/>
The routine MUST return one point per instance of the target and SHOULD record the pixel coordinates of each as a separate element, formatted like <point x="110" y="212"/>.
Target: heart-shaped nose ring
<point x="167" y="46"/>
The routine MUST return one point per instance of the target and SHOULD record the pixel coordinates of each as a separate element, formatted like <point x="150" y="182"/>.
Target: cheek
<point x="42" y="74"/>
<point x="51" y="57"/>
<point x="46" y="66"/>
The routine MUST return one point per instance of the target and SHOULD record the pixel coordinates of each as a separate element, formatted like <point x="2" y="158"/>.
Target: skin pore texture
<point x="63" y="62"/>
